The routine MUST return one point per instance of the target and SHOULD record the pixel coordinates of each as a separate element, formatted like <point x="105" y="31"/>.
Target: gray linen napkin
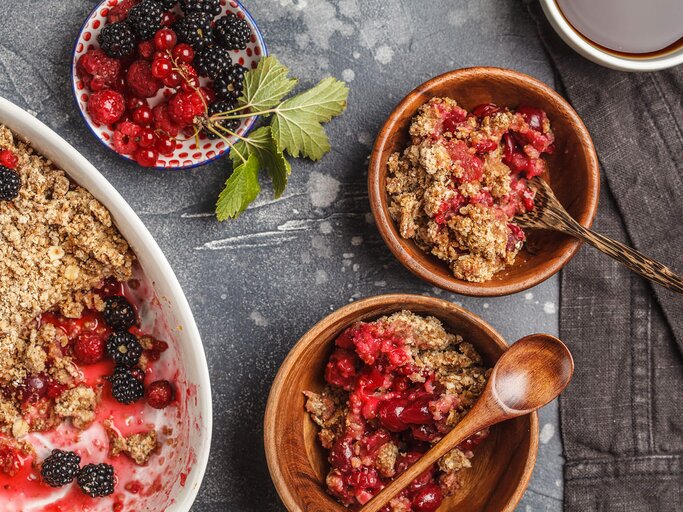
<point x="622" y="416"/>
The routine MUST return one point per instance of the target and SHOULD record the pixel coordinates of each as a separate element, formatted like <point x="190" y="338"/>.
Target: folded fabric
<point x="622" y="416"/>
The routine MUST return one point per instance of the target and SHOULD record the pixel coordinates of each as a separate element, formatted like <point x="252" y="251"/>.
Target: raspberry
<point x="8" y="159"/>
<point x="96" y="480"/>
<point x="162" y="120"/>
<point x="88" y="348"/>
<point x="125" y="138"/>
<point x="125" y="387"/>
<point x="160" y="394"/>
<point x="98" y="71"/>
<point x="141" y="81"/>
<point x="106" y="107"/>
<point x="183" y="107"/>
<point x="120" y="12"/>
<point x="117" y="40"/>
<point x="124" y="348"/>
<point x="60" y="468"/>
<point x="146" y="49"/>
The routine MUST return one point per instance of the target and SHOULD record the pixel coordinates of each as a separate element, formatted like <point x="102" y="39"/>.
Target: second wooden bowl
<point x="298" y="465"/>
<point x="574" y="176"/>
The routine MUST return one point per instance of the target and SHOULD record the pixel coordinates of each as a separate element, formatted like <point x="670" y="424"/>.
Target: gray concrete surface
<point x="284" y="264"/>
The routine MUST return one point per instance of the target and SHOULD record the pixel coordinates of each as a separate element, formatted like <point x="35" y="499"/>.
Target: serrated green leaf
<point x="260" y="142"/>
<point x="265" y="86"/>
<point x="296" y="124"/>
<point x="240" y="190"/>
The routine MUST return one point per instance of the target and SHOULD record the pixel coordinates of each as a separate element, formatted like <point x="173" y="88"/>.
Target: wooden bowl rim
<point x="436" y="306"/>
<point x="379" y="203"/>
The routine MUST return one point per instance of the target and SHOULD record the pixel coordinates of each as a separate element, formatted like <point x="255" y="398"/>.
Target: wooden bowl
<point x="574" y="175"/>
<point x="297" y="462"/>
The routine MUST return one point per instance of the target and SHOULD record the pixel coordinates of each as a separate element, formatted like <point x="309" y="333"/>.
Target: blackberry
<point x="118" y="313"/>
<point x="229" y="85"/>
<point x="125" y="386"/>
<point x="230" y="124"/>
<point x="60" y="468"/>
<point x="232" y="32"/>
<point x="124" y="348"/>
<point x="10" y="184"/>
<point x="117" y="40"/>
<point x="212" y="61"/>
<point x="212" y="7"/>
<point x="195" y="30"/>
<point x="146" y="18"/>
<point x="167" y="4"/>
<point x="96" y="480"/>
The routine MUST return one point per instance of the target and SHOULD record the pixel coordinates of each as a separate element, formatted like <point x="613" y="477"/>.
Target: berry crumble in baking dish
<point x="457" y="187"/>
<point x="396" y="386"/>
<point x="91" y="396"/>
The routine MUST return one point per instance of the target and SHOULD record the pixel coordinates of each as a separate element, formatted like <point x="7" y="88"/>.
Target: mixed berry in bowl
<point x="395" y="387"/>
<point x="457" y="187"/>
<point x="152" y="77"/>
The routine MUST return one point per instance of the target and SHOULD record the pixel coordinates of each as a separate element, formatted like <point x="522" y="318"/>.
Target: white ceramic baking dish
<point x="189" y="457"/>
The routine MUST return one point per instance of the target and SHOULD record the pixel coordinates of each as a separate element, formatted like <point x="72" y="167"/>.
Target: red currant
<point x="142" y="115"/>
<point x="160" y="394"/>
<point x="133" y="103"/>
<point x="173" y="79"/>
<point x="165" y="145"/>
<point x="161" y="68"/>
<point x="183" y="53"/>
<point x="165" y="39"/>
<point x="146" y="157"/>
<point x="147" y="138"/>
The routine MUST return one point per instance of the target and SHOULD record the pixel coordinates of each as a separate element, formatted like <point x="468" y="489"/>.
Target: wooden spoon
<point x="549" y="214"/>
<point x="531" y="373"/>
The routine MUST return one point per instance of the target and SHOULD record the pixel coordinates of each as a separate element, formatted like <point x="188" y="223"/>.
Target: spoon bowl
<point x="532" y="373"/>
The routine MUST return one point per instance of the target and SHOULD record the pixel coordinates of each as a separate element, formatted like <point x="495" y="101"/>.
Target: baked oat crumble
<point x="457" y="187"/>
<point x="394" y="387"/>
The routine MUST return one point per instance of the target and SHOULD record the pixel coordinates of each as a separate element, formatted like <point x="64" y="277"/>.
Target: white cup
<point x="599" y="55"/>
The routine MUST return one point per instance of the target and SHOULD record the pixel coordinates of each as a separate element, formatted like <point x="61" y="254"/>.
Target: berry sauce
<point x="137" y="487"/>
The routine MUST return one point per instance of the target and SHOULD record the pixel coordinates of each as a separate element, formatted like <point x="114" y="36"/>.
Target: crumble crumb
<point x="139" y="447"/>
<point x="58" y="241"/>
<point x="79" y="405"/>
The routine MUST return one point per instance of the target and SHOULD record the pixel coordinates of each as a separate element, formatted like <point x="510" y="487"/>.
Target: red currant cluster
<point x="121" y="89"/>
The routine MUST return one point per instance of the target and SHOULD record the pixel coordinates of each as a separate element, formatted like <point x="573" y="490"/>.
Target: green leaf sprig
<point x="295" y="128"/>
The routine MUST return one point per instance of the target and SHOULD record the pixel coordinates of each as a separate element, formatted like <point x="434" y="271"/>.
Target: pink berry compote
<point x="457" y="187"/>
<point x="396" y="386"/>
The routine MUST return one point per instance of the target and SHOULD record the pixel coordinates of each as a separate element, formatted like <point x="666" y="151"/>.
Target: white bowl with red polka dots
<point x="187" y="154"/>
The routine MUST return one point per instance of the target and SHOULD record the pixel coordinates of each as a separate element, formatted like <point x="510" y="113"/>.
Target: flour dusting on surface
<point x="322" y="189"/>
<point x="258" y="319"/>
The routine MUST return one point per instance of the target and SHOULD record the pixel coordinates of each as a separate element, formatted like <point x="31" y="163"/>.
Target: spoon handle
<point x="634" y="260"/>
<point x="482" y="415"/>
